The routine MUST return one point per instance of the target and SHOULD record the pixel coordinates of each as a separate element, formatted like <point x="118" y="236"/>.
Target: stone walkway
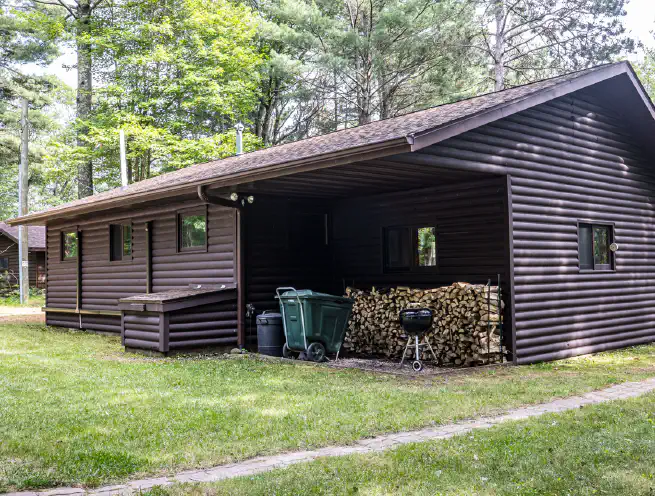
<point x="380" y="443"/>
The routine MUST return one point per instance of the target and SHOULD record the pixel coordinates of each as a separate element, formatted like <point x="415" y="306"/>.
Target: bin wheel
<point x="287" y="353"/>
<point x="417" y="365"/>
<point x="316" y="352"/>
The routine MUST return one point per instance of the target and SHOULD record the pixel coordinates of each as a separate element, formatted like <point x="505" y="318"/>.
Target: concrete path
<point x="380" y="443"/>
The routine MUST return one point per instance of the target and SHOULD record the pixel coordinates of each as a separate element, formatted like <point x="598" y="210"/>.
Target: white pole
<point x="123" y="159"/>
<point x="24" y="280"/>
<point x="239" y="127"/>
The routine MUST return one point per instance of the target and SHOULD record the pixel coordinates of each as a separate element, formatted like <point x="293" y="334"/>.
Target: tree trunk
<point x="84" y="94"/>
<point x="270" y="106"/>
<point x="499" y="48"/>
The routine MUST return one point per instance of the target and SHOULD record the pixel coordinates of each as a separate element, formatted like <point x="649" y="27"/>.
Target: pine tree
<point x="526" y="40"/>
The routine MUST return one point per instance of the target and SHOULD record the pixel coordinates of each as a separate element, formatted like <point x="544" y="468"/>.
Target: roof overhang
<point x="405" y="144"/>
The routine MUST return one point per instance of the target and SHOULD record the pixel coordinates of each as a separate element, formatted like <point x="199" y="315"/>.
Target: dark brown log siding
<point x="215" y="265"/>
<point x="142" y="330"/>
<point x="62" y="275"/>
<point x="105" y="282"/>
<point x="469" y="219"/>
<point x="203" y="326"/>
<point x="571" y="159"/>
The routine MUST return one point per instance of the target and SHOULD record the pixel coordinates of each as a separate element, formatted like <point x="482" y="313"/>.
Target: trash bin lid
<point x="313" y="295"/>
<point x="274" y="317"/>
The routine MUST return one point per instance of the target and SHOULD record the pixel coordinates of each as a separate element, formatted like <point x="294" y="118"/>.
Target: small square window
<point x="120" y="241"/>
<point x="410" y="248"/>
<point x="69" y="245"/>
<point x="192" y="231"/>
<point x="594" y="242"/>
<point x="4" y="263"/>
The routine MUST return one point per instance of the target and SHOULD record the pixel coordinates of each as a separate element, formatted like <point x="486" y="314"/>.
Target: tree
<point x="525" y="40"/>
<point x="646" y="71"/>
<point x="336" y="63"/>
<point x="176" y="75"/>
<point x="22" y="41"/>
<point x="76" y="21"/>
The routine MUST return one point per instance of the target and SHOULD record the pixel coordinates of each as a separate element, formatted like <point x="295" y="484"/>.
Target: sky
<point x="640" y="22"/>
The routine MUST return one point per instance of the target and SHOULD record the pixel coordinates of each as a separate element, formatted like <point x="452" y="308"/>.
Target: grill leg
<point x="409" y="339"/>
<point x="430" y="348"/>
<point x="418" y="348"/>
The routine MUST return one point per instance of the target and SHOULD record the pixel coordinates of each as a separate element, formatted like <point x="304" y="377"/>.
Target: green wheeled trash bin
<point x="314" y="323"/>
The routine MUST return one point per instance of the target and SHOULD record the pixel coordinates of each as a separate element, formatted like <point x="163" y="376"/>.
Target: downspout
<point x="236" y="202"/>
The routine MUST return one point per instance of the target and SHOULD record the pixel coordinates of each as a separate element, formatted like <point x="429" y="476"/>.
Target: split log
<point x="465" y="332"/>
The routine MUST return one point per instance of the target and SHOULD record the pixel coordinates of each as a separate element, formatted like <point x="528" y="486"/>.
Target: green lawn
<point x="605" y="449"/>
<point x="36" y="299"/>
<point x="75" y="409"/>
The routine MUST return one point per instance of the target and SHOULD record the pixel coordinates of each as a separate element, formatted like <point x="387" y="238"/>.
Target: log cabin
<point x="9" y="263"/>
<point x="549" y="186"/>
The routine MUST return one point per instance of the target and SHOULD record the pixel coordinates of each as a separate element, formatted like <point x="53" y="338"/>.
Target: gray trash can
<point x="270" y="334"/>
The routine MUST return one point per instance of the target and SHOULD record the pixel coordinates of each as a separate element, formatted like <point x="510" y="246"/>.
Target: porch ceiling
<point x="395" y="173"/>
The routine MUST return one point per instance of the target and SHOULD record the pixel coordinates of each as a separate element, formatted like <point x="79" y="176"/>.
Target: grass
<point x="605" y="449"/>
<point x="75" y="409"/>
<point x="13" y="300"/>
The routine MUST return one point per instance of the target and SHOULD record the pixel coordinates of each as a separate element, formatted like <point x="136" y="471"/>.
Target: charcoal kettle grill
<point x="416" y="322"/>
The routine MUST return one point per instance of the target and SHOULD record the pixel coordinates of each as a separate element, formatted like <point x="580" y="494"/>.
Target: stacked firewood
<point x="465" y="331"/>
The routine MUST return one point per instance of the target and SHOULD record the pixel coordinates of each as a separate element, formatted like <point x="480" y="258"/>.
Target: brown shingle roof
<point x="35" y="235"/>
<point x="377" y="134"/>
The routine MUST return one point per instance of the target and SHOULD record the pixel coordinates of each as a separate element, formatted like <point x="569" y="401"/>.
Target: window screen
<point x="426" y="247"/>
<point x="594" y="242"/>
<point x="69" y="245"/>
<point x="192" y="231"/>
<point x="120" y="240"/>
<point x="127" y="240"/>
<point x="4" y="263"/>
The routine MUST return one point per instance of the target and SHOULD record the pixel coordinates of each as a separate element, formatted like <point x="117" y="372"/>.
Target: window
<point x="120" y="241"/>
<point x="192" y="231"/>
<point x="4" y="263"/>
<point x="594" y="242"/>
<point x="426" y="247"/>
<point x="410" y="248"/>
<point x="397" y="248"/>
<point x="69" y="245"/>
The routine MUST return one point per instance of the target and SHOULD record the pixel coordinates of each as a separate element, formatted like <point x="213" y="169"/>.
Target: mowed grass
<point x="75" y="409"/>
<point x="606" y="449"/>
<point x="12" y="301"/>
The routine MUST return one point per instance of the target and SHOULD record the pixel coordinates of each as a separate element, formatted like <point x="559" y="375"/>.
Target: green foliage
<point x="176" y="76"/>
<point x="526" y="40"/>
<point x="646" y="71"/>
<point x="76" y="409"/>
<point x="335" y="63"/>
<point x="603" y="449"/>
<point x="22" y="41"/>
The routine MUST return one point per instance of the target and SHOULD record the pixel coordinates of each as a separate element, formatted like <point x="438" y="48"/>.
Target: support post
<point x="148" y="257"/>
<point x="24" y="278"/>
<point x="509" y="227"/>
<point x="241" y="281"/>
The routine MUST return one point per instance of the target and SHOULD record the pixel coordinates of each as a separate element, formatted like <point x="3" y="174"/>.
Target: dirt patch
<point x="21" y="315"/>
<point x="385" y="366"/>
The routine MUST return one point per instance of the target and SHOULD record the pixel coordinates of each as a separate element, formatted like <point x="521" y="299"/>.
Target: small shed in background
<point x="9" y="263"/>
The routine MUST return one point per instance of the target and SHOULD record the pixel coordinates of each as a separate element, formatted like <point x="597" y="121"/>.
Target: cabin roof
<point x="406" y="133"/>
<point x="35" y="235"/>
